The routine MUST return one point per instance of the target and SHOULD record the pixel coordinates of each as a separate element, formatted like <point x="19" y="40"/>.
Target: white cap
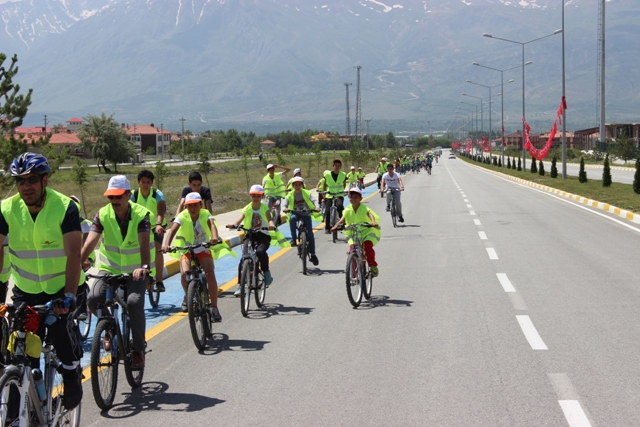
<point x="296" y="170"/>
<point x="384" y="159"/>
<point x="355" y="190"/>
<point x="269" y="166"/>
<point x="359" y="167"/>
<point x="256" y="189"/>
<point x="297" y="179"/>
<point x="353" y="167"/>
<point x="192" y="198"/>
<point x="118" y="185"/>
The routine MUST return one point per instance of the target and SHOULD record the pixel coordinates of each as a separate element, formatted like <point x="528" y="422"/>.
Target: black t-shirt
<point x="205" y="193"/>
<point x="71" y="221"/>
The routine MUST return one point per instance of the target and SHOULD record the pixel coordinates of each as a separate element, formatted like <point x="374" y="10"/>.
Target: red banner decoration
<point x="469" y="147"/>
<point x="487" y="147"/>
<point x="504" y="144"/>
<point x="540" y="154"/>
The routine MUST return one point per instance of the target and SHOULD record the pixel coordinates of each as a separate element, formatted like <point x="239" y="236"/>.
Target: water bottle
<point x="39" y="383"/>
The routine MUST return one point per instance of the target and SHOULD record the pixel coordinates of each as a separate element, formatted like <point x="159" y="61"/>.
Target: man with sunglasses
<point x="126" y="248"/>
<point x="44" y="251"/>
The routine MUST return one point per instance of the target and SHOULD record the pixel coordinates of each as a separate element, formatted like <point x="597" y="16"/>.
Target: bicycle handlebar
<point x="191" y="247"/>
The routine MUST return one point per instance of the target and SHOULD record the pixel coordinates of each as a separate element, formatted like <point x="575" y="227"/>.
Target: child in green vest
<point x="192" y="226"/>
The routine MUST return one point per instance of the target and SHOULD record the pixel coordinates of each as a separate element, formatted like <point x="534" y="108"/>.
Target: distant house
<point x="75" y="124"/>
<point x="145" y="136"/>
<point x="515" y="139"/>
<point x="267" y="145"/>
<point x="34" y="130"/>
<point x="586" y="139"/>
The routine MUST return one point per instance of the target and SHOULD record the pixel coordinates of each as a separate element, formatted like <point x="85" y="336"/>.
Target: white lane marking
<point x="574" y="414"/>
<point x="492" y="253"/>
<point x="463" y="195"/>
<point x="466" y="200"/>
<point x="483" y="235"/>
<point x="469" y="206"/>
<point x="530" y="333"/>
<point x="472" y="212"/>
<point x="477" y="222"/>
<point x="505" y="282"/>
<point x="517" y="301"/>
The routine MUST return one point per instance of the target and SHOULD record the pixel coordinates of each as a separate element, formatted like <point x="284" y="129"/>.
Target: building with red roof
<point x="145" y="136"/>
<point x="75" y="124"/>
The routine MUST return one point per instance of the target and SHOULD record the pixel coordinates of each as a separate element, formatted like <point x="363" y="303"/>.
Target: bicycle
<point x="82" y="317"/>
<point x="251" y="277"/>
<point x="303" y="237"/>
<point x="392" y="206"/>
<point x="29" y="396"/>
<point x="112" y="342"/>
<point x="359" y="278"/>
<point x="334" y="217"/>
<point x="154" y="294"/>
<point x="200" y="319"/>
<point x="273" y="203"/>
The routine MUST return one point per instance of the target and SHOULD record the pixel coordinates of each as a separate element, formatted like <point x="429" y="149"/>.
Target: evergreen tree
<point x="534" y="167"/>
<point x="499" y="162"/>
<point x="519" y="164"/>
<point x="606" y="173"/>
<point x="508" y="163"/>
<point x="495" y="161"/>
<point x="582" y="175"/>
<point x="636" y="177"/>
<point x="540" y="168"/>
<point x="554" y="168"/>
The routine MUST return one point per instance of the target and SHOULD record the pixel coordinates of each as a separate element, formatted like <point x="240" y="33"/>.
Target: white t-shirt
<point x="391" y="181"/>
<point x="199" y="234"/>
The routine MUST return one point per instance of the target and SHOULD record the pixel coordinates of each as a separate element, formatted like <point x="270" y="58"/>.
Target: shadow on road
<point x="155" y="397"/>
<point x="383" y="301"/>
<point x="220" y="342"/>
<point x="269" y="310"/>
<point x="319" y="272"/>
<point x="161" y="311"/>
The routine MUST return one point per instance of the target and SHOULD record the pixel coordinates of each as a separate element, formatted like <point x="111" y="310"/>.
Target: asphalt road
<point x="496" y="305"/>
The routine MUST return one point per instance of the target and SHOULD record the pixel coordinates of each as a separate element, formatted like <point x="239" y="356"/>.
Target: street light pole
<point x="490" y="129"/>
<point x="524" y="154"/>
<point x="564" y="114"/>
<point x="182" y="120"/>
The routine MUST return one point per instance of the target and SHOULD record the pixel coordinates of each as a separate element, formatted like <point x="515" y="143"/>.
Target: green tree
<point x="390" y="141"/>
<point x="554" y="168"/>
<point x="103" y="137"/>
<point x="625" y="148"/>
<point x="80" y="177"/>
<point x="540" y="168"/>
<point x="161" y="173"/>
<point x="606" y="172"/>
<point x="204" y="167"/>
<point x="582" y="175"/>
<point x="508" y="163"/>
<point x="636" y="177"/>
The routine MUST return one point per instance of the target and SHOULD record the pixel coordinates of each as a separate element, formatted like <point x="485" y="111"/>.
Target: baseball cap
<point x="192" y="198"/>
<point x="355" y="190"/>
<point x="118" y="185"/>
<point x="296" y="170"/>
<point x="269" y="166"/>
<point x="74" y="198"/>
<point x="256" y="189"/>
<point x="384" y="159"/>
<point x="297" y="179"/>
<point x="359" y="168"/>
<point x="353" y="167"/>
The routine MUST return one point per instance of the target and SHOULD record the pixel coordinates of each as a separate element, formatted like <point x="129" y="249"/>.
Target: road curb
<point x="619" y="212"/>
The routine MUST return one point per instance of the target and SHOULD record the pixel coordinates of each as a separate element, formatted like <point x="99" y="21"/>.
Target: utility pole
<point x="367" y="120"/>
<point x="162" y="139"/>
<point x="44" y="130"/>
<point x="358" y="104"/>
<point x="182" y="138"/>
<point x="348" y="124"/>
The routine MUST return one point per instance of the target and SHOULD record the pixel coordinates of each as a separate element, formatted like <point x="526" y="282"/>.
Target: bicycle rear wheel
<point x="84" y="324"/>
<point x="261" y="289"/>
<point x="196" y="309"/>
<point x="334" y="221"/>
<point x="66" y="418"/>
<point x="304" y="251"/>
<point x="246" y="280"/>
<point x="368" y="283"/>
<point x="154" y="296"/>
<point x="10" y="398"/>
<point x="104" y="363"/>
<point x="134" y="376"/>
<point x="354" y="280"/>
<point x="394" y="217"/>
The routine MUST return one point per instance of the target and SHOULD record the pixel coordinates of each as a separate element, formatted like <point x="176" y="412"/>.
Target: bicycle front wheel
<point x="354" y="280"/>
<point x="154" y="296"/>
<point x="10" y="398"/>
<point x="134" y="376"/>
<point x="334" y="221"/>
<point x="261" y="289"/>
<point x="368" y="283"/>
<point x="304" y="251"/>
<point x="394" y="217"/>
<point x="66" y="418"/>
<point x="246" y="281"/>
<point x="104" y="363"/>
<point x="198" y="322"/>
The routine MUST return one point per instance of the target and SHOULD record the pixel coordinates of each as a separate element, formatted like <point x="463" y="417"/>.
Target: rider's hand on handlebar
<point x="214" y="240"/>
<point x="231" y="226"/>
<point x="166" y="248"/>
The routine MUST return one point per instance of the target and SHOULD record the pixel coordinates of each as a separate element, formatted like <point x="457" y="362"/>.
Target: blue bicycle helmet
<point x="27" y="163"/>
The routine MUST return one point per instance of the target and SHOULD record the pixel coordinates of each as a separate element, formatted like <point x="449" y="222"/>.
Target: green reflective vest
<point x="277" y="238"/>
<point x="117" y="255"/>
<point x="352" y="177"/>
<point x="150" y="203"/>
<point x="306" y="196"/>
<point x="273" y="187"/>
<point x="36" y="249"/>
<point x="185" y="235"/>
<point x="334" y="186"/>
<point x="352" y="217"/>
<point x="6" y="266"/>
<point x="382" y="168"/>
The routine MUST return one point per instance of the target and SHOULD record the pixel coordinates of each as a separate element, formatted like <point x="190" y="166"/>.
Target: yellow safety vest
<point x="352" y="177"/>
<point x="352" y="217"/>
<point x="382" y="168"/>
<point x="185" y="235"/>
<point x="273" y="187"/>
<point x="277" y="238"/>
<point x="36" y="249"/>
<point x="334" y="186"/>
<point x="117" y="255"/>
<point x="6" y="266"/>
<point x="306" y="196"/>
<point x="150" y="203"/>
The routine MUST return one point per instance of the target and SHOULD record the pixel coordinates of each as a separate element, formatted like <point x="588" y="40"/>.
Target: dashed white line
<point x="477" y="222"/>
<point x="530" y="333"/>
<point x="505" y="282"/>
<point x="483" y="235"/>
<point x="466" y="200"/>
<point x="492" y="253"/>
<point x="469" y="206"/>
<point x="569" y="400"/>
<point x="472" y="212"/>
<point x="574" y="414"/>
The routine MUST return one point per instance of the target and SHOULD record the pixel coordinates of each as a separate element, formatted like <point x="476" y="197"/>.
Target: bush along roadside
<point x="582" y="175"/>
<point x="606" y="173"/>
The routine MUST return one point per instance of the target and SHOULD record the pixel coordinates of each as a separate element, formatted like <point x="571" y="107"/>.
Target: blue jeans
<point x="306" y="220"/>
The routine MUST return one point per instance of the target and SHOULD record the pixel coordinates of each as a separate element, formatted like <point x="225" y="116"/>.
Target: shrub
<point x="554" y="168"/>
<point x="540" y="168"/>
<point x="582" y="175"/>
<point x="519" y="164"/>
<point x="534" y="167"/>
<point x="636" y="177"/>
<point x="606" y="172"/>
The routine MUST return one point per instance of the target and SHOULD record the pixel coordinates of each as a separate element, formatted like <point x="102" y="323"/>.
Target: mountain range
<point x="270" y="65"/>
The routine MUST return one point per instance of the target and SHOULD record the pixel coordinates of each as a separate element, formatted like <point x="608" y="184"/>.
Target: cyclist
<point x="300" y="198"/>
<point x="274" y="187"/>
<point x="196" y="225"/>
<point x="381" y="169"/>
<point x="153" y="199"/>
<point x="296" y="173"/>
<point x="392" y="181"/>
<point x="429" y="162"/>
<point x="257" y="215"/>
<point x="83" y="289"/>
<point x="125" y="229"/>
<point x="320" y="188"/>
<point x="44" y="252"/>
<point x="195" y="186"/>
<point x="334" y="182"/>
<point x="352" y="177"/>
<point x="358" y="213"/>
<point x="5" y="273"/>
<point x="361" y="176"/>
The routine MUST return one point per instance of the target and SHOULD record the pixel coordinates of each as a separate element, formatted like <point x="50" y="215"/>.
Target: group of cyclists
<point x="49" y="246"/>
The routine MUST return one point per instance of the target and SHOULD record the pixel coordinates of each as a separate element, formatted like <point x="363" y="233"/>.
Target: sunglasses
<point x="115" y="197"/>
<point x="31" y="180"/>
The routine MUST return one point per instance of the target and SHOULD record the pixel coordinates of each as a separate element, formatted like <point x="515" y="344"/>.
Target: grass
<point x="619" y="195"/>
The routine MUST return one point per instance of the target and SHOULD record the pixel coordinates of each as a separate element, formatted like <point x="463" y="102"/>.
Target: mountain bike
<point x="392" y="206"/>
<point x="334" y="217"/>
<point x="153" y="293"/>
<point x="82" y="316"/>
<point x="251" y="277"/>
<point x="198" y="307"/>
<point x="29" y="396"/>
<point x="112" y="342"/>
<point x="273" y="203"/>
<point x="303" y="237"/>
<point x="358" y="274"/>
